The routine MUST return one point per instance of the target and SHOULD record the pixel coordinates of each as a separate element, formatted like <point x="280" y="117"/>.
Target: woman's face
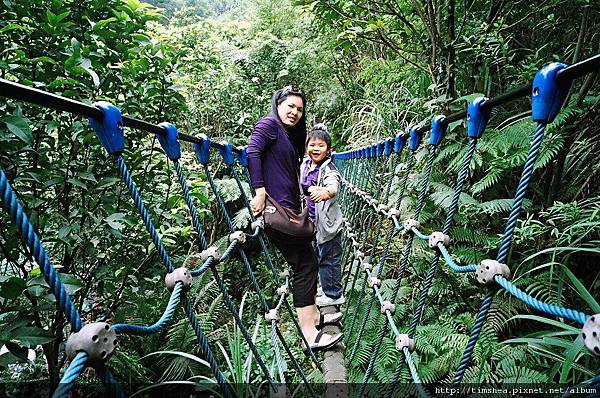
<point x="290" y="110"/>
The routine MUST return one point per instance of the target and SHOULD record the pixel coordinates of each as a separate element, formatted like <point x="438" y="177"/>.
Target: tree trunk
<point x="451" y="52"/>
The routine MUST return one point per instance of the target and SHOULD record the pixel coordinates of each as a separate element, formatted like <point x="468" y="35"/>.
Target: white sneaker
<point x="324" y="301"/>
<point x="320" y="291"/>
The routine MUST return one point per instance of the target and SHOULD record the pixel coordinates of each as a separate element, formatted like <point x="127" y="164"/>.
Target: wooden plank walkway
<point x="334" y="368"/>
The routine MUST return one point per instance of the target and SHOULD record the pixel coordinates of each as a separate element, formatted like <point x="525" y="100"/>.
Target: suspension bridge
<point x="368" y="179"/>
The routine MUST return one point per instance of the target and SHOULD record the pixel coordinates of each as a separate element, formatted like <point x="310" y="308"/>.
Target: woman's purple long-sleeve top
<point x="273" y="164"/>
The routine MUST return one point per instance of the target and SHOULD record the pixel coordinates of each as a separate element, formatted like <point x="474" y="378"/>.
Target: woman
<point x="274" y="152"/>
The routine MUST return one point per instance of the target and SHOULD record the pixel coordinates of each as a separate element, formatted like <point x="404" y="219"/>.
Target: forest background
<point x="370" y="70"/>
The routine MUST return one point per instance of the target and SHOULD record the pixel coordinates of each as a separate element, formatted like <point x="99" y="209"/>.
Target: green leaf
<point x="17" y="350"/>
<point x="77" y="183"/>
<point x="13" y="26"/>
<point x="19" y="126"/>
<point x="113" y="221"/>
<point x="11" y="287"/>
<point x="583" y="292"/>
<point x="71" y="283"/>
<point x="86" y="64"/>
<point x="32" y="336"/>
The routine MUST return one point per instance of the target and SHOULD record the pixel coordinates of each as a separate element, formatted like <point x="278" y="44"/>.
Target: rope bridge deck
<point x="368" y="176"/>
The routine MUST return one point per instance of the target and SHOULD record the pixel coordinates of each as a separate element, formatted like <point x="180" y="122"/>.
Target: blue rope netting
<point x="353" y="193"/>
<point x="368" y="177"/>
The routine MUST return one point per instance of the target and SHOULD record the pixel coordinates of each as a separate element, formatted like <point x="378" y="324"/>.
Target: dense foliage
<point x="370" y="69"/>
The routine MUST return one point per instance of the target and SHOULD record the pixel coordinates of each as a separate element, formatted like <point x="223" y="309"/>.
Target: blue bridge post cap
<point x="398" y="143"/>
<point x="226" y="151"/>
<point x="477" y="118"/>
<point x="373" y="150"/>
<point x="438" y="130"/>
<point x="547" y="93"/>
<point x="380" y="148"/>
<point x="203" y="149"/>
<point x="169" y="142"/>
<point x="110" y="129"/>
<point x="242" y="156"/>
<point x="415" y="139"/>
<point x="388" y="147"/>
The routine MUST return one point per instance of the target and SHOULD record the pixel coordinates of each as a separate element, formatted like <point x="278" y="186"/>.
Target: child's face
<point x="317" y="149"/>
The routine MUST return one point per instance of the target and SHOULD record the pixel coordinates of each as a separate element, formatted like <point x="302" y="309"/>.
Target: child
<point x="320" y="181"/>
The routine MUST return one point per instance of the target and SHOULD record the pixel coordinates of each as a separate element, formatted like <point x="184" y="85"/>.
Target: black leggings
<point x="300" y="255"/>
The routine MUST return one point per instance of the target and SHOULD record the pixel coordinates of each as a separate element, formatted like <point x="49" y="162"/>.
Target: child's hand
<point x="318" y="194"/>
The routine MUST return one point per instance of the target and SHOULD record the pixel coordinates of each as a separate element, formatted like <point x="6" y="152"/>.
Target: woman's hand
<point x="257" y="204"/>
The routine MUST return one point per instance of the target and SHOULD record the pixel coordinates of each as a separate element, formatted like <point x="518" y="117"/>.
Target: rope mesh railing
<point x="108" y="125"/>
<point x="364" y="173"/>
<point x="548" y="90"/>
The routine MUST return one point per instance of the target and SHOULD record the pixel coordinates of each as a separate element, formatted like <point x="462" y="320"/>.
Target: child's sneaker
<point x="324" y="301"/>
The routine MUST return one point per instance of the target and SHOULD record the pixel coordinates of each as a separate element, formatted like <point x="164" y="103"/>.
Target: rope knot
<point x="383" y="208"/>
<point x="388" y="306"/>
<point x="489" y="269"/>
<point x="258" y="223"/>
<point x="393" y="212"/>
<point x="438" y="237"/>
<point x="374" y="281"/>
<point x="283" y="289"/>
<point x="98" y="340"/>
<point x="367" y="266"/>
<point x="404" y="341"/>
<point x="409" y="224"/>
<point x="239" y="236"/>
<point x="212" y="251"/>
<point x="591" y="334"/>
<point x="180" y="274"/>
<point x="272" y="315"/>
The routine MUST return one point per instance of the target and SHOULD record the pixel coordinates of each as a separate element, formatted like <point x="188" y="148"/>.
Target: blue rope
<point x="167" y="262"/>
<point x="160" y="324"/>
<point x="190" y="204"/>
<point x="455" y="267"/>
<point x="419" y="234"/>
<point x="555" y="310"/>
<point x="200" y="270"/>
<point x="373" y="248"/>
<point x="205" y="348"/>
<point x="526" y="176"/>
<point x="70" y="376"/>
<point x="383" y="329"/>
<point x="137" y="199"/>
<point x="209" y="263"/>
<point x="462" y="177"/>
<point x="31" y="239"/>
<point x="477" y="326"/>
<point x="245" y="260"/>
<point x="108" y="380"/>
